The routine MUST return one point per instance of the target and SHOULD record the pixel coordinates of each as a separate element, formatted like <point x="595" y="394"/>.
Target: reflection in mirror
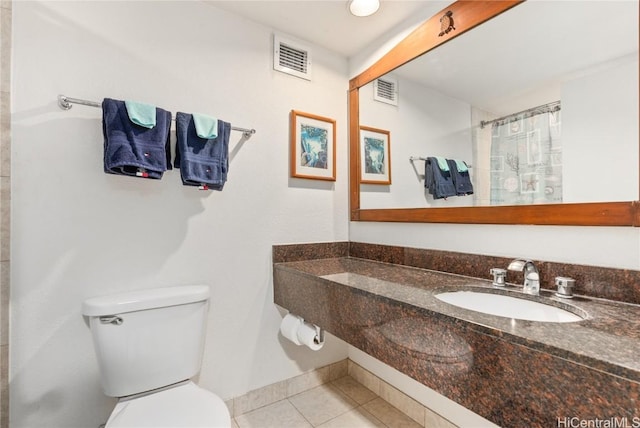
<point x="574" y="76"/>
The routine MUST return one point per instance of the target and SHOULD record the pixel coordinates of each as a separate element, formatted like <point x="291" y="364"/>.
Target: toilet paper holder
<point x="295" y="329"/>
<point x="319" y="335"/>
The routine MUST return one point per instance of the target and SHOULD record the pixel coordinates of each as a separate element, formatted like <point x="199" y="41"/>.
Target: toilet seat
<point x="183" y="406"/>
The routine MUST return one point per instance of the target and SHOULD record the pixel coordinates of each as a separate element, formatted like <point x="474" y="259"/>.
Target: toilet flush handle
<point x="111" y="319"/>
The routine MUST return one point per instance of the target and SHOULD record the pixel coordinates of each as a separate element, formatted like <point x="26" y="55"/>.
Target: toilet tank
<point x="148" y="339"/>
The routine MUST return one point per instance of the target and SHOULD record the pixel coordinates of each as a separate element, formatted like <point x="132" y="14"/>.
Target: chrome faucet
<point x="531" y="275"/>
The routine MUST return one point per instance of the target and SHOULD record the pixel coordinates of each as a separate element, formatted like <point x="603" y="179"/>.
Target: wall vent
<point x="385" y="89"/>
<point x="291" y="57"/>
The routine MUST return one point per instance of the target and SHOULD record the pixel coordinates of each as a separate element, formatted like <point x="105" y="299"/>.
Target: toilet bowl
<point x="149" y="344"/>
<point x="184" y="405"/>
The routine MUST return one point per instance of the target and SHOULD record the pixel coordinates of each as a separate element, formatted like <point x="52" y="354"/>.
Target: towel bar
<point x="66" y="103"/>
<point x="413" y="158"/>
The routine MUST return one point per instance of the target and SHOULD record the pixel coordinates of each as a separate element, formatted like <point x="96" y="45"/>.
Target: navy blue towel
<point x="461" y="180"/>
<point x="438" y="182"/>
<point x="131" y="149"/>
<point x="203" y="162"/>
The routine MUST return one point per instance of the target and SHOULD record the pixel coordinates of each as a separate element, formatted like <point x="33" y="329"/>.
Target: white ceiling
<point x="328" y="23"/>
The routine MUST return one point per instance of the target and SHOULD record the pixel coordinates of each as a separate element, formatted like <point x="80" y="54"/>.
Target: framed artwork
<point x="313" y="146"/>
<point x="375" y="156"/>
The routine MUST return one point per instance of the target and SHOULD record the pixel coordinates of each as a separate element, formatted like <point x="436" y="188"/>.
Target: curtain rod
<point x="545" y="108"/>
<point x="65" y="103"/>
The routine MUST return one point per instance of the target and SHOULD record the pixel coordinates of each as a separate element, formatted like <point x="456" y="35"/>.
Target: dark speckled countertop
<point x="513" y="372"/>
<point x="608" y="339"/>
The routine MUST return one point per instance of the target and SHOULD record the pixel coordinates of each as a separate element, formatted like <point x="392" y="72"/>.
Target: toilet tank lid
<point x="144" y="299"/>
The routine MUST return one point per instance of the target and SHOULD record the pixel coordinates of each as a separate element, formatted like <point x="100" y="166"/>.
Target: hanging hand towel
<point x="461" y="165"/>
<point x="141" y="114"/>
<point x="460" y="175"/>
<point x="131" y="149"/>
<point x="206" y="126"/>
<point x="438" y="182"/>
<point x="203" y="162"/>
<point x="443" y="164"/>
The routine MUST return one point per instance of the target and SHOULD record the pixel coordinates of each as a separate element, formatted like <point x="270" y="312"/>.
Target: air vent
<point x="291" y="57"/>
<point x="385" y="90"/>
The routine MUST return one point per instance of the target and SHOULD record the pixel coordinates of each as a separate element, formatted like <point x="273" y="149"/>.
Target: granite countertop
<point x="608" y="339"/>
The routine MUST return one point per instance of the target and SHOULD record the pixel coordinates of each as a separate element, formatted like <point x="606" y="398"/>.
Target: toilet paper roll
<point x="309" y="335"/>
<point x="295" y="329"/>
<point x="289" y="327"/>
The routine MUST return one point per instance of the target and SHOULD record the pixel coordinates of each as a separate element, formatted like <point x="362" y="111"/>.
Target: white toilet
<point x="149" y="344"/>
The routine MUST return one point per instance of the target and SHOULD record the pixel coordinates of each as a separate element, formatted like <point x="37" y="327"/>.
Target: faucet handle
<point x="565" y="287"/>
<point x="499" y="276"/>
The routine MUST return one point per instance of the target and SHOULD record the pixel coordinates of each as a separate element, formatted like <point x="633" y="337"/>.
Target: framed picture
<point x="375" y="156"/>
<point x="313" y="146"/>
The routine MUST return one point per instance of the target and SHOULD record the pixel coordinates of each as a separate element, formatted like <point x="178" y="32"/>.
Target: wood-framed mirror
<point x="453" y="21"/>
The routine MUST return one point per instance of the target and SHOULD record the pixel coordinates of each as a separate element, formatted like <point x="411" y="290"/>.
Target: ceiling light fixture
<point x="363" y="7"/>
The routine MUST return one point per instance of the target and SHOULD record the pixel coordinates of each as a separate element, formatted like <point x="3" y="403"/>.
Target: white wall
<point x="600" y="133"/>
<point x="616" y="247"/>
<point x="78" y="232"/>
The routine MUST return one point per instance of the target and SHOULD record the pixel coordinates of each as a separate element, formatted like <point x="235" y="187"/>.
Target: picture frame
<point x="375" y="156"/>
<point x="313" y="146"/>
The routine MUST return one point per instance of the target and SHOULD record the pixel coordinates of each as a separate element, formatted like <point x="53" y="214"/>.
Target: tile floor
<point x="343" y="403"/>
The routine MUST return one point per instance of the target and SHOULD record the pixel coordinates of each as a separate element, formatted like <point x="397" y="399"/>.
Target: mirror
<point x="445" y="93"/>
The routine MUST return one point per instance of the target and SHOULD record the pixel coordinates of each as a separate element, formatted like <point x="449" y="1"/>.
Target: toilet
<point x="149" y="344"/>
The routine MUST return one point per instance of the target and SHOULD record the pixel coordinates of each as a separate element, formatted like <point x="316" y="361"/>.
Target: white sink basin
<point x="507" y="306"/>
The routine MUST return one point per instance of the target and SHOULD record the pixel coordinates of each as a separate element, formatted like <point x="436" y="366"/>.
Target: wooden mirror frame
<point x="466" y="14"/>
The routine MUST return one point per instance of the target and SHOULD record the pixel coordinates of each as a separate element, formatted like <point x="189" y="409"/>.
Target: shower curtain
<point x="526" y="158"/>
